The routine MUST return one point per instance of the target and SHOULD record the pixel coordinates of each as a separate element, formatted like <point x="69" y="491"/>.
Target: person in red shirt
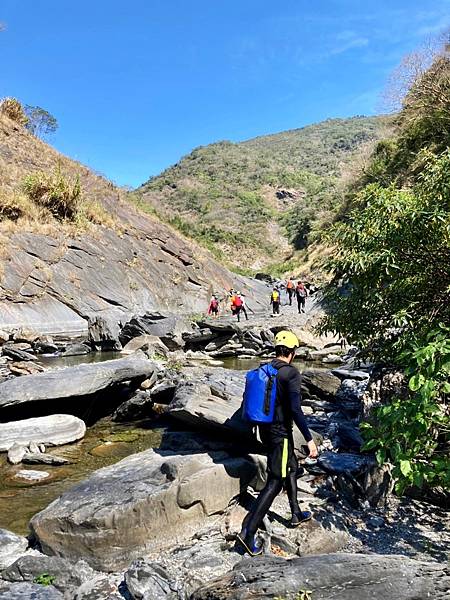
<point x="213" y="309"/>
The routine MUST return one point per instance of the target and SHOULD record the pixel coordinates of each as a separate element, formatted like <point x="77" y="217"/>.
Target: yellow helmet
<point x="286" y="338"/>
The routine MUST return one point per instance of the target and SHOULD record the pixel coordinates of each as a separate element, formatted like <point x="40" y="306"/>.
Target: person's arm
<point x="293" y="382"/>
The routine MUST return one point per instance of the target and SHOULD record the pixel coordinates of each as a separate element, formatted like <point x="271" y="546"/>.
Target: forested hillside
<point x="253" y="202"/>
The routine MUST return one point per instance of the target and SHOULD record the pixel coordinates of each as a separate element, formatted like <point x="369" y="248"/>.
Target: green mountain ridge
<point x="254" y="202"/>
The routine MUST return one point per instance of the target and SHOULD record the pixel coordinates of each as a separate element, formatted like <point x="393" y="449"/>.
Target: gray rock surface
<point x="30" y="591"/>
<point x="81" y="380"/>
<point x="12" y="546"/>
<point x="78" y="349"/>
<point x="331" y="577"/>
<point x="103" y="334"/>
<point x="67" y="576"/>
<point x="143" y="503"/>
<point x="148" y="580"/>
<point x="150" y="344"/>
<point x="168" y="328"/>
<point x="320" y="383"/>
<point x="54" y="430"/>
<point x="16" y="453"/>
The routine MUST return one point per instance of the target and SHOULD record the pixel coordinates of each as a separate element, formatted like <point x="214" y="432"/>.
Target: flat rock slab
<point x="331" y="577"/>
<point x="146" y="502"/>
<point x="30" y="591"/>
<point x="54" y="430"/>
<point x="81" y="380"/>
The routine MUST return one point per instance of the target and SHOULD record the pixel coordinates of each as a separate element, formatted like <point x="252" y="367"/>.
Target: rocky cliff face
<point x="53" y="282"/>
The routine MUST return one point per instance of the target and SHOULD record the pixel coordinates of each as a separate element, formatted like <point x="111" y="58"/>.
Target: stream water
<point x="105" y="443"/>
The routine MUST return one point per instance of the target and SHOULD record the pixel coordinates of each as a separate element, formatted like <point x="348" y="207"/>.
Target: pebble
<point x="375" y="522"/>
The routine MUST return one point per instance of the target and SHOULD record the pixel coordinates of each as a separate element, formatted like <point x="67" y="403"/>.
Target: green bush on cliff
<point x="390" y="287"/>
<point x="55" y="192"/>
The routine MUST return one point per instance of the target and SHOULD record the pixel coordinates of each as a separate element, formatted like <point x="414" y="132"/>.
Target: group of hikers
<point x="298" y="290"/>
<point x="237" y="305"/>
<point x="237" y="301"/>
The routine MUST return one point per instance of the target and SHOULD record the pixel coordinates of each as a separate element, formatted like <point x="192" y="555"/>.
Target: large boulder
<point x="54" y="430"/>
<point x="81" y="380"/>
<point x="210" y="400"/>
<point x="12" y="546"/>
<point x="331" y="577"/>
<point x="169" y="328"/>
<point x="104" y="333"/>
<point x="322" y="384"/>
<point x="146" y="502"/>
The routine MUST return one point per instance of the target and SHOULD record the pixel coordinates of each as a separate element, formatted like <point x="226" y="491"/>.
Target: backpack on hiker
<point x="237" y="301"/>
<point x="275" y="296"/>
<point x="260" y="394"/>
<point x="301" y="292"/>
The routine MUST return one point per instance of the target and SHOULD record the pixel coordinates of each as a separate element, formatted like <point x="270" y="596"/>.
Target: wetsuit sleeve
<point x="292" y="381"/>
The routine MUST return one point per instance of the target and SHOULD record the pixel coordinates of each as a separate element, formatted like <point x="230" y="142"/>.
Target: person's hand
<point x="313" y="453"/>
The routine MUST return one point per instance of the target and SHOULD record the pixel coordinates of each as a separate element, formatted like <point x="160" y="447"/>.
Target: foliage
<point x="45" y="579"/>
<point x="414" y="433"/>
<point x="13" y="109"/>
<point x="54" y="191"/>
<point x="391" y="267"/>
<point x="40" y="122"/>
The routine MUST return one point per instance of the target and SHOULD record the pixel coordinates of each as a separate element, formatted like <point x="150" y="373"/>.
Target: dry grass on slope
<point x="40" y="188"/>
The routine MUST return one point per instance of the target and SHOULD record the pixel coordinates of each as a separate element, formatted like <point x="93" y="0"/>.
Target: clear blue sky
<point x="135" y="85"/>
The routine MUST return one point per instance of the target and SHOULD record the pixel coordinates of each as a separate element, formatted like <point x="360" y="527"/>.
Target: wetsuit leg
<point x="262" y="504"/>
<point x="291" y="483"/>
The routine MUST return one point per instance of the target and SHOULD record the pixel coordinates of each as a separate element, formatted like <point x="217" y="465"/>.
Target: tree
<point x="40" y="122"/>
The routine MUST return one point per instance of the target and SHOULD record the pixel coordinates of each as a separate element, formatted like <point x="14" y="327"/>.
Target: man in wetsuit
<point x="278" y="439"/>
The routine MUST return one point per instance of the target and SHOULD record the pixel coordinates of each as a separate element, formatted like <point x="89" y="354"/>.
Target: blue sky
<point x="135" y="85"/>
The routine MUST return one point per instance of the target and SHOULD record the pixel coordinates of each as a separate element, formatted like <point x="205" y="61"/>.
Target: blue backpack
<point x="260" y="394"/>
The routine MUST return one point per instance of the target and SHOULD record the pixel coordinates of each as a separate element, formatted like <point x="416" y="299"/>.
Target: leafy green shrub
<point x="54" y="191"/>
<point x="13" y="109"/>
<point x="44" y="579"/>
<point x="414" y="433"/>
<point x="391" y="267"/>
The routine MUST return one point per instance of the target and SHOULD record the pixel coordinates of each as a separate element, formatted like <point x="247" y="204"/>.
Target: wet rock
<point x="350" y="374"/>
<point x="12" y="546"/>
<point x="150" y="344"/>
<point x="346" y="436"/>
<point x="54" y="430"/>
<point x="342" y="462"/>
<point x="31" y="476"/>
<point x="81" y="380"/>
<point x="322" y="384"/>
<point x="45" y="345"/>
<point x="375" y="522"/>
<point x="136" y="407"/>
<point x="66" y="576"/>
<point x="147" y="580"/>
<point x="16" y="353"/>
<point x="327" y="576"/>
<point x="351" y="391"/>
<point x="16" y="453"/>
<point x="103" y="333"/>
<point x="146" y="502"/>
<point x="43" y="459"/>
<point x="77" y="350"/>
<point x="30" y="591"/>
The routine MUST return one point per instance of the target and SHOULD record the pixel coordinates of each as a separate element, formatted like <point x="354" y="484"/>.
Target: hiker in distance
<point x="213" y="308"/>
<point x="301" y="293"/>
<point x="272" y="401"/>
<point x="275" y="301"/>
<point x="290" y="289"/>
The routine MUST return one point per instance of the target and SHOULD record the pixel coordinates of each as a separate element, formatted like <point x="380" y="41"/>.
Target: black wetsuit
<point x="282" y="463"/>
